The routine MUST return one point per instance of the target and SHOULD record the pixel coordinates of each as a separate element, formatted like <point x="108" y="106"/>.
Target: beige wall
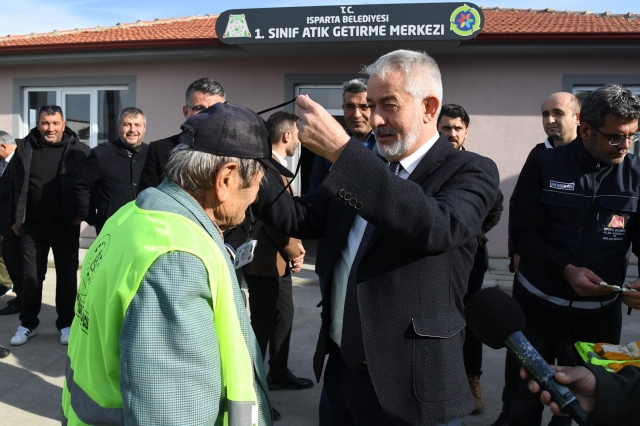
<point x="502" y="95"/>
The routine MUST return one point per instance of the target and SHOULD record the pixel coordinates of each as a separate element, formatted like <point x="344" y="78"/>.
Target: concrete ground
<point x="31" y="377"/>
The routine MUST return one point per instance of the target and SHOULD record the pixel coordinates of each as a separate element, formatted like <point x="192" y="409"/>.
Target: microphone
<point x="497" y="320"/>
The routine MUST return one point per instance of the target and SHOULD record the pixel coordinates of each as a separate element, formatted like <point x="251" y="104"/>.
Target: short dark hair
<point x="356" y="85"/>
<point x="612" y="99"/>
<point x="131" y="112"/>
<point x="279" y="123"/>
<point x="50" y="110"/>
<point x="454" y="111"/>
<point x="206" y="85"/>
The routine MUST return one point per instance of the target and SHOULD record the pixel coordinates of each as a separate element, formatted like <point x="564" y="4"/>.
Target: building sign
<point x="388" y="22"/>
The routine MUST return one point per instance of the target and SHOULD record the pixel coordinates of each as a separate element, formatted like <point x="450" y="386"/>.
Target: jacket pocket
<point x="438" y="369"/>
<point x="614" y="218"/>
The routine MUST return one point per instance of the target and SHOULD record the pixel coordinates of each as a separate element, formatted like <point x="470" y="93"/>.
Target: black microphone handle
<point x="537" y="367"/>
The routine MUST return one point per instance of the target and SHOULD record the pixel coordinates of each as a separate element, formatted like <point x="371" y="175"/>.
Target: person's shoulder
<point x="161" y="144"/>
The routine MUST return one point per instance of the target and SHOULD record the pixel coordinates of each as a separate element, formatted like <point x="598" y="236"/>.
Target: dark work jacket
<point x="5" y="221"/>
<point x="157" y="159"/>
<point x="73" y="159"/>
<point x="569" y="208"/>
<point x="618" y="396"/>
<point x="414" y="272"/>
<point x="109" y="180"/>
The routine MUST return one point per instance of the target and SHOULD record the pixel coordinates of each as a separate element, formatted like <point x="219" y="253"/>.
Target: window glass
<point x="109" y="107"/>
<point x="35" y="101"/>
<point x="329" y="96"/>
<point x="78" y="115"/>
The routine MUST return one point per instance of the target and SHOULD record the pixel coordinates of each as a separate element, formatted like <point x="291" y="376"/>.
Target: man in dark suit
<point x="111" y="175"/>
<point x="400" y="238"/>
<point x="200" y="95"/>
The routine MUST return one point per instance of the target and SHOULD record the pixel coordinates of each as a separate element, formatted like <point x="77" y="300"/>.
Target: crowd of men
<point x="401" y="210"/>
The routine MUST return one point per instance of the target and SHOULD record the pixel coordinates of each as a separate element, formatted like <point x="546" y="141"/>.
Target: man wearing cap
<point x="161" y="335"/>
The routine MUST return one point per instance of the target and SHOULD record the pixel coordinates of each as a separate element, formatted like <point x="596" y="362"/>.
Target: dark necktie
<point x="352" y="345"/>
<point x="3" y="165"/>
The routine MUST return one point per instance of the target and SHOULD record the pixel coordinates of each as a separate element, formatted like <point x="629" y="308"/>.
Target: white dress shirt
<point x="343" y="266"/>
<point x="280" y="159"/>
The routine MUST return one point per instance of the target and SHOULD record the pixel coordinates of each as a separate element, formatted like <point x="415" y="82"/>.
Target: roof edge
<point x="111" y="45"/>
<point x="577" y="36"/>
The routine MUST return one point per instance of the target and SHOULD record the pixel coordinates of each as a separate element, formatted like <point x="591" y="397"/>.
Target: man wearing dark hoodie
<point x="43" y="210"/>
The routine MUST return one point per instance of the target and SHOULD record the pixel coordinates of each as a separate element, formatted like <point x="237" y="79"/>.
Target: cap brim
<point x="275" y="165"/>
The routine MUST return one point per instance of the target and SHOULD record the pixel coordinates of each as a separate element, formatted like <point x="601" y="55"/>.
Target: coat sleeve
<point x="84" y="183"/>
<point x="170" y="370"/>
<point x="494" y="215"/>
<point x="618" y="396"/>
<point x="429" y="223"/>
<point x="150" y="177"/>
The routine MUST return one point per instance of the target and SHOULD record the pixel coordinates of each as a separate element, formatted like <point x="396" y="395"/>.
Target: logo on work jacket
<point x="616" y="222"/>
<point x="565" y="186"/>
<point x="237" y="27"/>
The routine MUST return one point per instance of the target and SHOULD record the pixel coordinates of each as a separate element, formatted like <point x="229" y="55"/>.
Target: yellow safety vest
<point x="111" y="273"/>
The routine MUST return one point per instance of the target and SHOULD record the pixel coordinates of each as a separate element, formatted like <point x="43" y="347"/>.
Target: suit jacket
<point x="157" y="159"/>
<point x="413" y="276"/>
<point x="274" y="250"/>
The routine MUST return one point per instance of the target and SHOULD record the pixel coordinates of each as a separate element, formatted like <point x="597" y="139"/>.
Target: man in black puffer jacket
<point x="43" y="210"/>
<point x="111" y="176"/>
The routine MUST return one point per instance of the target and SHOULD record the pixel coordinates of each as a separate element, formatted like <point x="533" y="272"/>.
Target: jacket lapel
<point x="430" y="162"/>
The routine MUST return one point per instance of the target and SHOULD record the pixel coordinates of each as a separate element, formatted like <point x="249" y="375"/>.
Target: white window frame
<point x="69" y="90"/>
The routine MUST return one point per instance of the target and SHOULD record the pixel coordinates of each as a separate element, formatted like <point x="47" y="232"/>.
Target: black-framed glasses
<point x="50" y="109"/>
<point x="197" y="108"/>
<point x="617" y="139"/>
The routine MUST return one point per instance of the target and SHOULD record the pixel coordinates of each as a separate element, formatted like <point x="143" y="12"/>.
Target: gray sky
<point x="27" y="16"/>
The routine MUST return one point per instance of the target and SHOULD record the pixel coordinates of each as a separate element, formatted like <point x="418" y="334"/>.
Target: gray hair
<point x="195" y="171"/>
<point x="6" y="138"/>
<point x="131" y="112"/>
<point x="422" y="75"/>
<point x="207" y="86"/>
<point x="612" y="99"/>
<point x="356" y="85"/>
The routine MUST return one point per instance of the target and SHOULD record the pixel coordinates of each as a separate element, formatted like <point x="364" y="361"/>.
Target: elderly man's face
<point x="396" y="117"/>
<point x="233" y="210"/>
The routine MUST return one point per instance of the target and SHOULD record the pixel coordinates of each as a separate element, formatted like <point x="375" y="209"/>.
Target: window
<point x="91" y="112"/>
<point x="582" y="92"/>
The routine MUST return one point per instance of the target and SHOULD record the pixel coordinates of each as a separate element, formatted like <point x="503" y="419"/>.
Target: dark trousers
<point x="553" y="333"/>
<point x="271" y="304"/>
<point x="37" y="239"/>
<point x="12" y="255"/>
<point x="348" y="397"/>
<point x="472" y="348"/>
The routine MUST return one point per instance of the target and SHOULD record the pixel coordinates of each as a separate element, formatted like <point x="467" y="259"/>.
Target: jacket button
<point x="347" y="196"/>
<point x="358" y="205"/>
<point x="353" y="202"/>
<point x="341" y="193"/>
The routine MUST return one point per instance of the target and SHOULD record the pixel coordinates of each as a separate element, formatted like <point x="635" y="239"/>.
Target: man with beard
<point x="111" y="175"/>
<point x="400" y="234"/>
<point x="453" y="123"/>
<point x="44" y="212"/>
<point x="573" y="219"/>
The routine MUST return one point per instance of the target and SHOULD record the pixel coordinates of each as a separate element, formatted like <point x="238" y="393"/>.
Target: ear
<point x="429" y="108"/>
<point x="185" y="111"/>
<point x="577" y="118"/>
<point x="225" y="181"/>
<point x="585" y="131"/>
<point x="286" y="137"/>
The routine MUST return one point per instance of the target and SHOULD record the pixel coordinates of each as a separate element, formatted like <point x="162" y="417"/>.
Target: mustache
<point x="453" y="139"/>
<point x="384" y="131"/>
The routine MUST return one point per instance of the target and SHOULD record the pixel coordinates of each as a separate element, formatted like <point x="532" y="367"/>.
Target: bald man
<point x="560" y="120"/>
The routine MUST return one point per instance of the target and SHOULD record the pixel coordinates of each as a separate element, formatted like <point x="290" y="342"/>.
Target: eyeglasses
<point x="197" y="108"/>
<point x="50" y="108"/>
<point x="617" y="139"/>
<point x="353" y="107"/>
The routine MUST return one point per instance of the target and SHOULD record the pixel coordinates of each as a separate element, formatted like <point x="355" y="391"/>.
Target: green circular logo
<point x="465" y="21"/>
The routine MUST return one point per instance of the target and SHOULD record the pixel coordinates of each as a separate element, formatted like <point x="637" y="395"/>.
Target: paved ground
<point x="31" y="377"/>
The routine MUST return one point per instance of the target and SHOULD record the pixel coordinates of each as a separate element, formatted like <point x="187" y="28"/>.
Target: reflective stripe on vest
<point x="563" y="302"/>
<point x="112" y="271"/>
